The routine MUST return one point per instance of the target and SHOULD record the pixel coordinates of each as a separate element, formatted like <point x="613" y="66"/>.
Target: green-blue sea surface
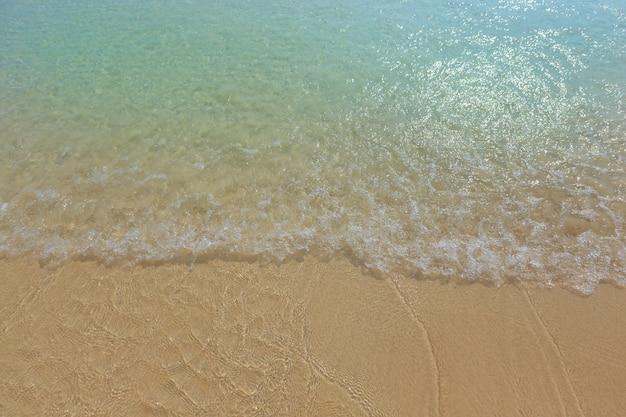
<point x="469" y="140"/>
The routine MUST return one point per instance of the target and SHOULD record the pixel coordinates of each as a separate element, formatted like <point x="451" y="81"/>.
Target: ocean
<point x="474" y="141"/>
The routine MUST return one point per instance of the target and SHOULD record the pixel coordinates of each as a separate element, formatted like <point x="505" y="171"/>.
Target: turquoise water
<point x="474" y="141"/>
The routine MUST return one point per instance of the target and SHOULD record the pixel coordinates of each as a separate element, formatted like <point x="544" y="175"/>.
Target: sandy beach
<point x="283" y="208"/>
<point x="305" y="338"/>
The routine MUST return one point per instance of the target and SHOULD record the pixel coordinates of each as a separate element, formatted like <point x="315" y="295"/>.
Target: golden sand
<point x="301" y="339"/>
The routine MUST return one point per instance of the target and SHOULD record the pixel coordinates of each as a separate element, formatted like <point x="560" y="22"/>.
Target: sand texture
<point x="305" y="338"/>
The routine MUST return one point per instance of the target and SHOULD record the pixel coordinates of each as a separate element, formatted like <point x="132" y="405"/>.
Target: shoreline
<point x="301" y="338"/>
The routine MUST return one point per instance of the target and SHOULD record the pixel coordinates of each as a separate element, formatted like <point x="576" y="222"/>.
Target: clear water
<point x="476" y="141"/>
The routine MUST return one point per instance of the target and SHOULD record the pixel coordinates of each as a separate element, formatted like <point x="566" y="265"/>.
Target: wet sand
<point x="301" y="339"/>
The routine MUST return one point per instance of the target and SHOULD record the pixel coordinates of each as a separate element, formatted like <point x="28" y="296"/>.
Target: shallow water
<point x="471" y="141"/>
